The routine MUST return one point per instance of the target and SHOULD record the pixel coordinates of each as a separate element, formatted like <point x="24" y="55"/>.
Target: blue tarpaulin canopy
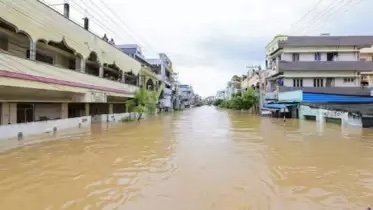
<point x="337" y="99"/>
<point x="278" y="106"/>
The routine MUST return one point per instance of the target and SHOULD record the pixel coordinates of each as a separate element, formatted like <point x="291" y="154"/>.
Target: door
<point x="329" y="82"/>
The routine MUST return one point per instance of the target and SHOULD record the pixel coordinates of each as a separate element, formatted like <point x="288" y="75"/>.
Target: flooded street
<point x="199" y="159"/>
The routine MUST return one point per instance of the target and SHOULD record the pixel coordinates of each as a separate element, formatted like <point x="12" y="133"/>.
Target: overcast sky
<point x="211" y="40"/>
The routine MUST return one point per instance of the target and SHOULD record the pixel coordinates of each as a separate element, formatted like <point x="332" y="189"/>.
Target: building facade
<point x="56" y="74"/>
<point x="326" y="74"/>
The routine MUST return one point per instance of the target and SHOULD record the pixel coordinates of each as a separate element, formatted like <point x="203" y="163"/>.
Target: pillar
<point x="140" y="80"/>
<point x="86" y="109"/>
<point x="127" y="108"/>
<point x="8" y="113"/>
<point x="101" y="71"/>
<point x="80" y="64"/>
<point x="32" y="50"/>
<point x="123" y="77"/>
<point x="111" y="108"/>
<point x="64" y="110"/>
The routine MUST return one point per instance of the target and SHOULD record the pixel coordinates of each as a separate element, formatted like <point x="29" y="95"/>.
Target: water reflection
<point x="203" y="158"/>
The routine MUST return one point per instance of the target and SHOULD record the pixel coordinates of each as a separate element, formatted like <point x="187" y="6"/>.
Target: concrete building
<point x="56" y="74"/>
<point x="165" y="74"/>
<point x="186" y="95"/>
<point x="317" y="61"/>
<point x="322" y="71"/>
<point x="148" y="76"/>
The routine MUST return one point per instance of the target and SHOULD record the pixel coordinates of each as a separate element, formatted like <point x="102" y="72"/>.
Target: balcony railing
<point x="353" y="91"/>
<point x="33" y="71"/>
<point x="361" y="66"/>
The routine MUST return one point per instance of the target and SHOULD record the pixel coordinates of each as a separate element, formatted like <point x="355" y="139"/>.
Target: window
<point x="348" y="80"/>
<point x="3" y="43"/>
<point x="318" y="82"/>
<point x="41" y="57"/>
<point x="331" y="56"/>
<point x="295" y="57"/>
<point x="317" y="56"/>
<point x="72" y="64"/>
<point x="297" y="82"/>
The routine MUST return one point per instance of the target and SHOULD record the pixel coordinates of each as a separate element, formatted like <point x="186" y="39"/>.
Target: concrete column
<point x="111" y="108"/>
<point x="123" y="77"/>
<point x="86" y="109"/>
<point x="64" y="110"/>
<point x="8" y="113"/>
<point x="127" y="108"/>
<point x="80" y="64"/>
<point x="140" y="81"/>
<point x="101" y="71"/>
<point x="32" y="50"/>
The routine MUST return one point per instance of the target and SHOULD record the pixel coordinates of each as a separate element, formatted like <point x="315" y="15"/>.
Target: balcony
<point x="26" y="74"/>
<point x="353" y="91"/>
<point x="360" y="66"/>
<point x="40" y="23"/>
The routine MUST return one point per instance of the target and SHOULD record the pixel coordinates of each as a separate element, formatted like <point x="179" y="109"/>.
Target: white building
<point x="317" y="61"/>
<point x="186" y="95"/>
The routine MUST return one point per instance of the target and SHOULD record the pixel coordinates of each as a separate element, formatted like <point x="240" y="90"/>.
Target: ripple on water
<point x="202" y="158"/>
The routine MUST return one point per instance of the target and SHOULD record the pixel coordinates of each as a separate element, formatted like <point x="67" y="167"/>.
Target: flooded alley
<point x="202" y="158"/>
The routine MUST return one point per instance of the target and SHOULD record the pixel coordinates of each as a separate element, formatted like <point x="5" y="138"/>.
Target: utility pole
<point x="258" y="70"/>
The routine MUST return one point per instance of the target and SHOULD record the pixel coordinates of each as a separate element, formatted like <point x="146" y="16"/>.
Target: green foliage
<point x="144" y="101"/>
<point x="246" y="101"/>
<point x="217" y="102"/>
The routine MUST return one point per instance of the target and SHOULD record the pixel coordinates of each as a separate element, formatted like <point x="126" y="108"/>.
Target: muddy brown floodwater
<point x="199" y="159"/>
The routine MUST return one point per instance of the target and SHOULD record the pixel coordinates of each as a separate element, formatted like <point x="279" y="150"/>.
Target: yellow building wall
<point x="41" y="22"/>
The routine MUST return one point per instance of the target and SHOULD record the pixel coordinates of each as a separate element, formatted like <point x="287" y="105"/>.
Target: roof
<point x="126" y="46"/>
<point x="352" y="91"/>
<point x="340" y="99"/>
<point x="326" y="66"/>
<point x="304" y="41"/>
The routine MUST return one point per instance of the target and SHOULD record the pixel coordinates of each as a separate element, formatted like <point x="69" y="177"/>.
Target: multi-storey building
<point x="55" y="71"/>
<point x="186" y="95"/>
<point x="317" y="61"/>
<point x="148" y="76"/>
<point x="163" y="66"/>
<point x="320" y="71"/>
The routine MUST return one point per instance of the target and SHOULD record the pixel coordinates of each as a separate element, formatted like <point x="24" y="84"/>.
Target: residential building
<point x="186" y="95"/>
<point x="165" y="74"/>
<point x="56" y="74"/>
<point x="317" y="61"/>
<point x="309" y="71"/>
<point x="148" y="77"/>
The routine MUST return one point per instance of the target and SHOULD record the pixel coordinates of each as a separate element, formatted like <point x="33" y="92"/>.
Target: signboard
<point x="91" y="97"/>
<point x="332" y="114"/>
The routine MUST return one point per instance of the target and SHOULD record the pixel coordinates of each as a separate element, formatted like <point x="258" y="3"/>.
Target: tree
<point x="144" y="101"/>
<point x="246" y="101"/>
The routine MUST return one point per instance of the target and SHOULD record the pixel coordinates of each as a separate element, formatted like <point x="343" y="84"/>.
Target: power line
<point x="307" y="14"/>
<point x="313" y="20"/>
<point x="122" y="22"/>
<point x="327" y="14"/>
<point x="330" y="18"/>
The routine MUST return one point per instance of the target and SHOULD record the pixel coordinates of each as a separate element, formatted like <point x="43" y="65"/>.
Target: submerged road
<point x="199" y="159"/>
